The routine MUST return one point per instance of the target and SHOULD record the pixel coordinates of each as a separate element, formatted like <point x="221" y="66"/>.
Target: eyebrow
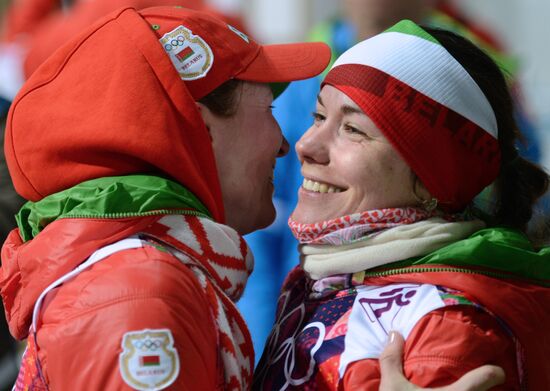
<point x="346" y="109"/>
<point x="320" y="100"/>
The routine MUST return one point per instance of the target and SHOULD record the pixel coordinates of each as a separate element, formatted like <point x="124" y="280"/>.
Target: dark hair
<point x="520" y="182"/>
<point x="224" y="100"/>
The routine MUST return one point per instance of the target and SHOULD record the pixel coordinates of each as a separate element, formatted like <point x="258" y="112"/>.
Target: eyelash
<point x="351" y="129"/>
<point x="317" y="117"/>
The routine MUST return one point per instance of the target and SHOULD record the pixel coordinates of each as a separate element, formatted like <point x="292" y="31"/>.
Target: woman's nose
<point x="285" y="147"/>
<point x="312" y="147"/>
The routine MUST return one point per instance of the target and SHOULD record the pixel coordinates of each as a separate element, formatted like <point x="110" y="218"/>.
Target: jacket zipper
<point x="122" y="215"/>
<point x="409" y="269"/>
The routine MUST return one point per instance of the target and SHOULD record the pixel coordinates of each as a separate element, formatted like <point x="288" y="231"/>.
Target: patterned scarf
<point x="347" y="229"/>
<point x="331" y="251"/>
<point x="222" y="262"/>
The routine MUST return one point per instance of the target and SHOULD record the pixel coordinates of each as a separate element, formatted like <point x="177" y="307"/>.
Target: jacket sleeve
<point x="443" y="346"/>
<point x="148" y="322"/>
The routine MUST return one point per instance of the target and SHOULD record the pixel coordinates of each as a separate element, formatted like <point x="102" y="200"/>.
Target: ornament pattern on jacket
<point x="222" y="262"/>
<point x="314" y="340"/>
<point x="30" y="373"/>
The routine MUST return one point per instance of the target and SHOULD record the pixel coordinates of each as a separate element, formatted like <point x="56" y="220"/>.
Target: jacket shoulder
<point x="444" y="345"/>
<point x="124" y="275"/>
<point x="120" y="299"/>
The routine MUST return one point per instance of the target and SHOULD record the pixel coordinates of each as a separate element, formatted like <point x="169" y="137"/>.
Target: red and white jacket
<point x="129" y="304"/>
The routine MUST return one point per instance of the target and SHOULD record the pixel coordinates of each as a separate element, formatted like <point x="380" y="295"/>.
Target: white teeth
<point x="316" y="186"/>
<point x="319" y="187"/>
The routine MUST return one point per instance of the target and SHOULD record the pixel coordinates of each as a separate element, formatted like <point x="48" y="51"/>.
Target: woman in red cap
<point x="146" y="148"/>
<point x="412" y="218"/>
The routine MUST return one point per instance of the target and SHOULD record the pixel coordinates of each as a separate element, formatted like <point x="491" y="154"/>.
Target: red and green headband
<point x="428" y="106"/>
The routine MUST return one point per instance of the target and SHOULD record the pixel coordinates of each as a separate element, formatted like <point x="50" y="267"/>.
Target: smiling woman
<point x="344" y="150"/>
<point x="412" y="217"/>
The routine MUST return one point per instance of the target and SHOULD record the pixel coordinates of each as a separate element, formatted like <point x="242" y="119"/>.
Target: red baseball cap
<point x="207" y="51"/>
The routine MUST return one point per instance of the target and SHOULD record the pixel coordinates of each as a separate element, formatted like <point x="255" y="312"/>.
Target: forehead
<point x="339" y="104"/>
<point x="331" y="97"/>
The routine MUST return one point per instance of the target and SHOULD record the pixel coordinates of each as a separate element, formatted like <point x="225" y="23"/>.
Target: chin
<point x="267" y="219"/>
<point x="263" y="220"/>
<point x="305" y="217"/>
<point x="316" y="215"/>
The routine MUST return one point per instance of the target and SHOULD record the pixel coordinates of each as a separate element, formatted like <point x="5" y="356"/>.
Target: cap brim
<point x="287" y="62"/>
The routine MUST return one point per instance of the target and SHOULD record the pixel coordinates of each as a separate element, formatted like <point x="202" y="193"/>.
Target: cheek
<point x="365" y="169"/>
<point x="378" y="172"/>
<point x="267" y="139"/>
<point x="397" y="181"/>
<point x="259" y="156"/>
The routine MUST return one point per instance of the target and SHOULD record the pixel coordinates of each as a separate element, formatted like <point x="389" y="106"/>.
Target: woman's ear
<point x="207" y="116"/>
<point x="424" y="198"/>
<point x="421" y="191"/>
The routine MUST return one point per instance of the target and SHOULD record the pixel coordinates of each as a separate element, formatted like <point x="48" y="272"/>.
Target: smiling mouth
<point x="320" y="187"/>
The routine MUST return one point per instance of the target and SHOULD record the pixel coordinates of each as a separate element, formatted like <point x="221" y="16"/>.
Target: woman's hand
<point x="391" y="368"/>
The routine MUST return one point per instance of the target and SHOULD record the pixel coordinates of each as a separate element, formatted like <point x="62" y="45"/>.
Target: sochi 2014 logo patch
<point x="149" y="360"/>
<point x="189" y="53"/>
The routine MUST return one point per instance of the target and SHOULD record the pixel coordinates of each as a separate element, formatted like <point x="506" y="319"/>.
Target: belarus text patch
<point x="189" y="53"/>
<point x="149" y="360"/>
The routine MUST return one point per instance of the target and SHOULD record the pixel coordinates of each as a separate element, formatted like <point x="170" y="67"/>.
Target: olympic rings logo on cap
<point x="174" y="43"/>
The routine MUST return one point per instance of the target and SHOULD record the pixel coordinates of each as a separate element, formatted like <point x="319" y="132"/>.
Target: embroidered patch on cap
<point x="189" y="53"/>
<point x="239" y="33"/>
<point x="149" y="360"/>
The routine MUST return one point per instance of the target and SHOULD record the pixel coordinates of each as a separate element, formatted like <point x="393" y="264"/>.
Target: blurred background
<point x="515" y="33"/>
<point x="521" y="26"/>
